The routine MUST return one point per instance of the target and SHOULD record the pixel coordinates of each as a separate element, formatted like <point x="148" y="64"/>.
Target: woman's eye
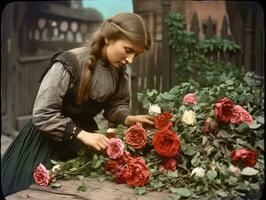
<point x="128" y="50"/>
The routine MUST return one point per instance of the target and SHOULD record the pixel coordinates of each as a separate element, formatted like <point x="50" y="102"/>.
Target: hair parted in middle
<point x="122" y="25"/>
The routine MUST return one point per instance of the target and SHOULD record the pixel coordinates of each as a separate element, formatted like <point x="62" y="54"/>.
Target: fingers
<point x="147" y="119"/>
<point x="98" y="141"/>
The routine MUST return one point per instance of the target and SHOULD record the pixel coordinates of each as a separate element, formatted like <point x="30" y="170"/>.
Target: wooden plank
<point x="210" y="32"/>
<point x="259" y="42"/>
<point x="247" y="43"/>
<point x="105" y="190"/>
<point x="237" y="29"/>
<point x="195" y="25"/>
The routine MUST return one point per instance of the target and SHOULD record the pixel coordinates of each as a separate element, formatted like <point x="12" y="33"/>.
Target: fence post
<point x="210" y="32"/>
<point x="248" y="54"/>
<point x="195" y="25"/>
<point x="166" y="4"/>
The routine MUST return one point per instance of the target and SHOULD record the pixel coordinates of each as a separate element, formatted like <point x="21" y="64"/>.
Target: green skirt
<point x="26" y="152"/>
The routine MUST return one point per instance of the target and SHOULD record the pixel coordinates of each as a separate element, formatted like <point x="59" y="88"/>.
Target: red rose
<point x="210" y="125"/>
<point x="120" y="176"/>
<point x="163" y="121"/>
<point x="166" y="143"/>
<point x="190" y="98"/>
<point x="136" y="136"/>
<point x="111" y="166"/>
<point x="41" y="175"/>
<point x="168" y="164"/>
<point x="240" y="115"/>
<point x="137" y="172"/>
<point x="244" y="156"/>
<point x="224" y="110"/>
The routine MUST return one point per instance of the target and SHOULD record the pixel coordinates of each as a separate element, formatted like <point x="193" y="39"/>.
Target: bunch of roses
<point x="165" y="141"/>
<point x="227" y="112"/>
<point x="134" y="171"/>
<point x="126" y="168"/>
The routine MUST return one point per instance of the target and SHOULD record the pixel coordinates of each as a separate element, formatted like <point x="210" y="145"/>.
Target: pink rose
<point x="136" y="136"/>
<point x="115" y="148"/>
<point x="240" y="115"/>
<point x="224" y="110"/>
<point x="190" y="98"/>
<point x="41" y="175"/>
<point x="168" y="164"/>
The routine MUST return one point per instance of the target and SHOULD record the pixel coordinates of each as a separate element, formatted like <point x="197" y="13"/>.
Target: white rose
<point x="234" y="170"/>
<point x="189" y="118"/>
<point x="154" y="109"/>
<point x="110" y="130"/>
<point x="198" y="171"/>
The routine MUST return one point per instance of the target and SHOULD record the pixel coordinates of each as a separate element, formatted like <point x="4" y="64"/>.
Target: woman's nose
<point x="130" y="58"/>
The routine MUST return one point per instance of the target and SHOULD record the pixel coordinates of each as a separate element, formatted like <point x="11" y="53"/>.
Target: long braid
<point x="86" y="72"/>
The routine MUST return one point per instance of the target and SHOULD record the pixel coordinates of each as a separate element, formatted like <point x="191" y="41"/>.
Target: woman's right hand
<point x="96" y="140"/>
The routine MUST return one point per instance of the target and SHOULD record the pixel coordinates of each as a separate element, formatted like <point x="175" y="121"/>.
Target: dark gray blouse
<point x="48" y="106"/>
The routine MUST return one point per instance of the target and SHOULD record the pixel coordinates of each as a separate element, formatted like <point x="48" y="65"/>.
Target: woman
<point x="77" y="85"/>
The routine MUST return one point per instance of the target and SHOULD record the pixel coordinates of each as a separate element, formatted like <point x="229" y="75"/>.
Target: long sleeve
<point x="118" y="106"/>
<point x="47" y="109"/>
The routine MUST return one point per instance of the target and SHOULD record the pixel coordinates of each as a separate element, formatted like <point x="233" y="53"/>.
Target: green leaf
<point x="101" y="179"/>
<point x="54" y="162"/>
<point x="242" y="128"/>
<point x="141" y="190"/>
<point x="222" y="193"/>
<point x="184" y="192"/>
<point x="172" y="174"/>
<point x="211" y="174"/>
<point x="260" y="144"/>
<point x="249" y="171"/>
<point x="254" y="125"/>
<point x="55" y="185"/>
<point x="82" y="188"/>
<point x="191" y="150"/>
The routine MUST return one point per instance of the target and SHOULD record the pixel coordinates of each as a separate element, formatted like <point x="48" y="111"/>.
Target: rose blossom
<point x="115" y="148"/>
<point x="163" y="121"/>
<point x="166" y="143"/>
<point x="223" y="109"/>
<point x="136" y="136"/>
<point x="198" y="171"/>
<point x="190" y="98"/>
<point x="111" y="166"/>
<point x="137" y="172"/>
<point x="189" y="118"/>
<point x="244" y="156"/>
<point x="154" y="109"/>
<point x="210" y="125"/>
<point x="240" y="115"/>
<point x="168" y="164"/>
<point x="41" y="175"/>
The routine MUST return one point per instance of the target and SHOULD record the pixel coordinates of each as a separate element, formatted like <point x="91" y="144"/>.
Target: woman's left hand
<point x="132" y="119"/>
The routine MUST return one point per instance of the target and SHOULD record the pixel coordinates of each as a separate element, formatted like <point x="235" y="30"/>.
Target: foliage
<point x="196" y="61"/>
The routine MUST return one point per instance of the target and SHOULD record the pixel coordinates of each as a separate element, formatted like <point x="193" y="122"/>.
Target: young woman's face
<point x="121" y="52"/>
